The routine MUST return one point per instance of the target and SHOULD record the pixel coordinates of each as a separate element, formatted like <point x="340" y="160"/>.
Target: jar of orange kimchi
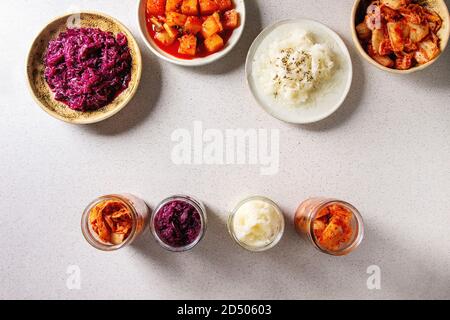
<point x="333" y="226"/>
<point x="114" y="221"/>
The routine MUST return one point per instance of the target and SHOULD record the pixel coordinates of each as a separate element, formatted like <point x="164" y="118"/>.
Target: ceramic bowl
<point x="439" y="6"/>
<point x="35" y="67"/>
<point x="324" y="101"/>
<point x="150" y="42"/>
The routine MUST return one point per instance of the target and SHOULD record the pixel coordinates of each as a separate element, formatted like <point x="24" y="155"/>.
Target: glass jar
<point x="275" y="228"/>
<point x="139" y="216"/>
<point x="308" y="212"/>
<point x="193" y="203"/>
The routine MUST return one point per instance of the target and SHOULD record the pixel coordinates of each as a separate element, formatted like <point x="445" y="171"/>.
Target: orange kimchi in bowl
<point x="401" y="36"/>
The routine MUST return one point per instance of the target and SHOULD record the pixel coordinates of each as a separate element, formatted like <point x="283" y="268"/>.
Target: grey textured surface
<point x="386" y="151"/>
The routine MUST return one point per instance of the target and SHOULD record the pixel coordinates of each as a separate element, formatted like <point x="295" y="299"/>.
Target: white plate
<point x="323" y="102"/>
<point x="231" y="43"/>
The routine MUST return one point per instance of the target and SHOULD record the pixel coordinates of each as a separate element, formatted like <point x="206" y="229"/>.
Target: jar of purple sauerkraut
<point x="179" y="223"/>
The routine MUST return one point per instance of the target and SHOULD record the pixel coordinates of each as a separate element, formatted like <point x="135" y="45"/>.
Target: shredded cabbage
<point x="87" y="68"/>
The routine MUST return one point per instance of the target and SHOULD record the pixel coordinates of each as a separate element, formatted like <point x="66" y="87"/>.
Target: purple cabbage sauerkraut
<point x="178" y="223"/>
<point x="87" y="68"/>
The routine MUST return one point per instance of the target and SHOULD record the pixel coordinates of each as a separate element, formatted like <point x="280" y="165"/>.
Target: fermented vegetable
<point x="87" y="68"/>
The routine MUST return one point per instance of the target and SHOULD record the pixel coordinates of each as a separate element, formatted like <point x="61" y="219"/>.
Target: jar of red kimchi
<point x="333" y="226"/>
<point x="114" y="221"/>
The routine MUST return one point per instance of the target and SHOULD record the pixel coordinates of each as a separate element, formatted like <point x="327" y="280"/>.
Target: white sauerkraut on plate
<point x="293" y="68"/>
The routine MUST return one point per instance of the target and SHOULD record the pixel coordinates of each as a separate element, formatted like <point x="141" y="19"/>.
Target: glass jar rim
<point x="274" y="242"/>
<point x="198" y="206"/>
<point x="92" y="238"/>
<point x="359" y="223"/>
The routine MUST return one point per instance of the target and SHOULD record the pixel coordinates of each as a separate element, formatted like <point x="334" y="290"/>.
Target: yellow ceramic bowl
<point x="35" y="68"/>
<point x="439" y="6"/>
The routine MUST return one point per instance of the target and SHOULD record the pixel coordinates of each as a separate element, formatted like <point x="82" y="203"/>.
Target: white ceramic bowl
<point x="324" y="103"/>
<point x="240" y="7"/>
